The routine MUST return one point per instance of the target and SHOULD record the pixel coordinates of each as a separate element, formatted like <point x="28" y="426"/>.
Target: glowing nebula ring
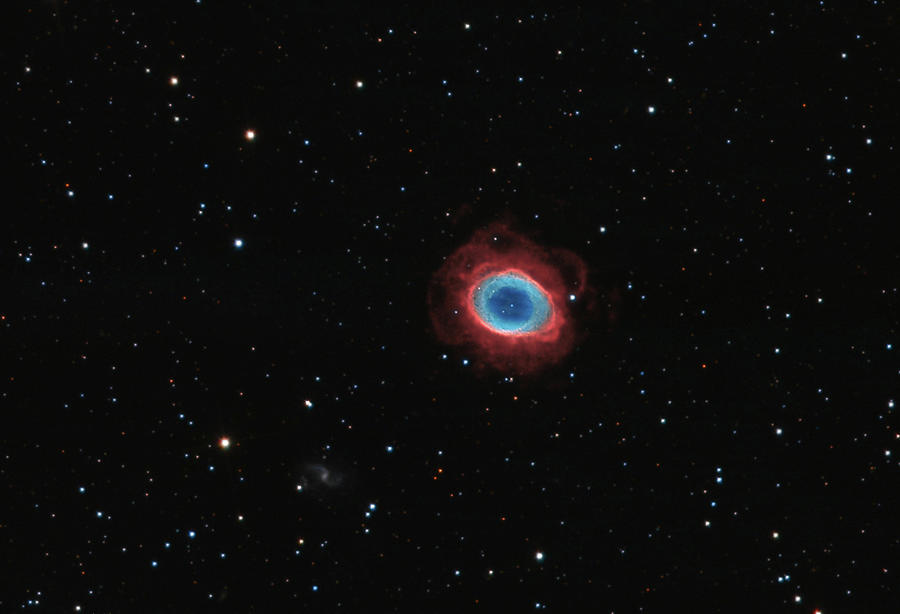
<point x="511" y="303"/>
<point x="508" y="300"/>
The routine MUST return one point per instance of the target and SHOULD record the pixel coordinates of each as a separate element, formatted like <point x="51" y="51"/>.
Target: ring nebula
<point x="508" y="299"/>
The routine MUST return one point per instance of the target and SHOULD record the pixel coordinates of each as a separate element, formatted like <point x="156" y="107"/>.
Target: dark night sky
<point x="719" y="440"/>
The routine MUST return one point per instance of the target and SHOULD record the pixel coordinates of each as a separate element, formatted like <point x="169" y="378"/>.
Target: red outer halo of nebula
<point x="491" y="251"/>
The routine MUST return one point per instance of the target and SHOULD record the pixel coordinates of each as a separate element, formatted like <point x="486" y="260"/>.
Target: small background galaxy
<point x="234" y="236"/>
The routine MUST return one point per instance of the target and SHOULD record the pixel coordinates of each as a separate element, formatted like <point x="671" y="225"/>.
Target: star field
<point x="222" y="390"/>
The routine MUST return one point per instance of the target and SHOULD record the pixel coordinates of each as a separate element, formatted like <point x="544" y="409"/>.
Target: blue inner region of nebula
<point x="511" y="304"/>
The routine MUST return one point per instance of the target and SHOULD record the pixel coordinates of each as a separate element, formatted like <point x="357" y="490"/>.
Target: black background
<point x="136" y="333"/>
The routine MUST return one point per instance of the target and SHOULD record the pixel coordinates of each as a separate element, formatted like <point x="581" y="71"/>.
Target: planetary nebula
<point x="508" y="299"/>
<point x="511" y="304"/>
